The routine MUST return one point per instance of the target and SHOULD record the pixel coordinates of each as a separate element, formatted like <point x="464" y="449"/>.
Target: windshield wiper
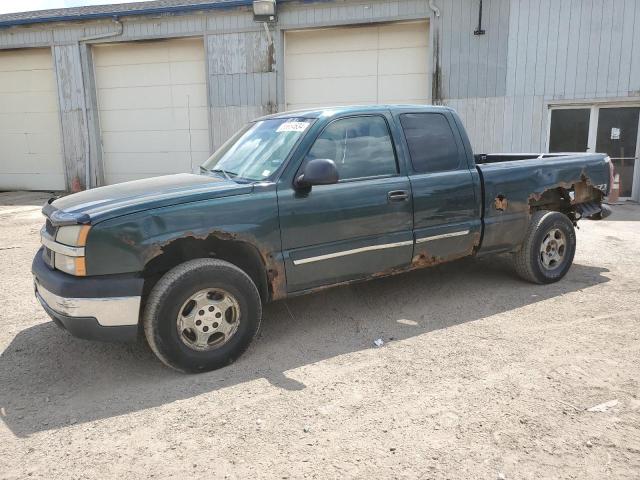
<point x="224" y="172"/>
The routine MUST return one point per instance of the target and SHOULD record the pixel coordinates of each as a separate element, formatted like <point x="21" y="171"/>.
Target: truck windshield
<point x="258" y="150"/>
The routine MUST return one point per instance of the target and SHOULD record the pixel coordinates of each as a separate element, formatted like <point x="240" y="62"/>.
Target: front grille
<point x="50" y="229"/>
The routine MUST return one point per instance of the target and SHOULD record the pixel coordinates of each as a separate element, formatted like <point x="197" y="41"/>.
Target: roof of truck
<point x="347" y="109"/>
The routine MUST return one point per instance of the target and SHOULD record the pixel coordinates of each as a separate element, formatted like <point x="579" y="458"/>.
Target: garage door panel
<point x="349" y="89"/>
<point x="325" y="40"/>
<point x="408" y="86"/>
<point x="154" y="119"/>
<point x="405" y="60"/>
<point x="155" y="141"/>
<point x="13" y="143"/>
<point x="26" y="59"/>
<point x="140" y="98"/>
<point x="35" y="163"/>
<point x="145" y="75"/>
<point x="200" y="141"/>
<point x="32" y="181"/>
<point x="22" y="122"/>
<point x="148" y="74"/>
<point x="150" y="163"/>
<point x="28" y="143"/>
<point x="30" y="102"/>
<point x="357" y="65"/>
<point x="196" y="93"/>
<point x="183" y="73"/>
<point x="30" y="147"/>
<point x="187" y="49"/>
<point x="134" y="98"/>
<point x="135" y="53"/>
<point x="402" y="35"/>
<point x="27" y="81"/>
<point x="343" y="64"/>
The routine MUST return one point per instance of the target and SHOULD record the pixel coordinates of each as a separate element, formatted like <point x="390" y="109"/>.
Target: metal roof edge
<point x="127" y="13"/>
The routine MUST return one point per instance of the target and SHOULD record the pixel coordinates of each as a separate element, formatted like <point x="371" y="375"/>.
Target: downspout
<point x="433" y="7"/>
<point x="85" y="114"/>
<point x="436" y="80"/>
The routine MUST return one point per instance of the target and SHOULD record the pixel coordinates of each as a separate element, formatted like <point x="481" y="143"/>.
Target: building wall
<point x="545" y="52"/>
<point x="534" y="53"/>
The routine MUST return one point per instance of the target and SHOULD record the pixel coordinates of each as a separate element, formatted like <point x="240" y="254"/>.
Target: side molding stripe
<point x="444" y="235"/>
<point x="351" y="252"/>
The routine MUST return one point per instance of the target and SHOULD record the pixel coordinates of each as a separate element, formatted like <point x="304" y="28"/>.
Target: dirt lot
<point x="481" y="376"/>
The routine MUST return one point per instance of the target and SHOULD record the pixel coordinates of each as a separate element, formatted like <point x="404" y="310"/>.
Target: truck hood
<point x="92" y="206"/>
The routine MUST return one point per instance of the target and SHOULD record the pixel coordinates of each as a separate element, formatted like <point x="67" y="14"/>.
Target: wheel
<point x="202" y="315"/>
<point x="548" y="248"/>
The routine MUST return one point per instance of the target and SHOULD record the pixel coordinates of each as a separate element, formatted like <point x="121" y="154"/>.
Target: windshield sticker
<point x="266" y="173"/>
<point x="293" y="127"/>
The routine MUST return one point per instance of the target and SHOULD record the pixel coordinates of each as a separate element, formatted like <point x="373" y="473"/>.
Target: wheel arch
<point x="569" y="199"/>
<point x="240" y="253"/>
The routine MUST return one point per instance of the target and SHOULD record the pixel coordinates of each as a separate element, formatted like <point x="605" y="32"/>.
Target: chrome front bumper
<point x="108" y="311"/>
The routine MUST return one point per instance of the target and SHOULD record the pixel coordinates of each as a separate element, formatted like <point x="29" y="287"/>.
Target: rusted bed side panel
<point x="511" y="187"/>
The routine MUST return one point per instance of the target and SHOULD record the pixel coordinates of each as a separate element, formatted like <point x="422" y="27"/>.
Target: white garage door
<point x="153" y="107"/>
<point x="30" y="147"/>
<point x="357" y="65"/>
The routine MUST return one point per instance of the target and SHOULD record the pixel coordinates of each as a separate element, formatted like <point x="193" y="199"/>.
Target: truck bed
<point x="513" y="183"/>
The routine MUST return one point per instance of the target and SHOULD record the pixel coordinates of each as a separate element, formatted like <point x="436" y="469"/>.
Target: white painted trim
<point x="594" y="116"/>
<point x="351" y="252"/>
<point x="444" y="235"/>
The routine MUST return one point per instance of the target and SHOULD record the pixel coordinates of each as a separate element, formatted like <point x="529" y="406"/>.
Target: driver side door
<point x="354" y="228"/>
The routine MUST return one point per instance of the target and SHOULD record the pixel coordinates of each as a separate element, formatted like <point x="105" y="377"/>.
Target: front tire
<point x="548" y="248"/>
<point x="202" y="315"/>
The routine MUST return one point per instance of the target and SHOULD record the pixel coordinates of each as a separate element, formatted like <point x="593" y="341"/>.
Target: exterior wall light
<point x="264" y="10"/>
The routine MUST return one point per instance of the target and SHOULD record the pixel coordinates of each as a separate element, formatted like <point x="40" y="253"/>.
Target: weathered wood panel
<point x="71" y="100"/>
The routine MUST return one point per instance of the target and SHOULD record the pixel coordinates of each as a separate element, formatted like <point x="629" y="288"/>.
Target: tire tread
<point x="162" y="289"/>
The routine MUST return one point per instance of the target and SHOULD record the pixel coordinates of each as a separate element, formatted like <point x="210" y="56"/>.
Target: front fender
<point x="128" y="243"/>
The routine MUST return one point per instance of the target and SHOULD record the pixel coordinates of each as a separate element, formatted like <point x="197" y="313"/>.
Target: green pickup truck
<point x="293" y="203"/>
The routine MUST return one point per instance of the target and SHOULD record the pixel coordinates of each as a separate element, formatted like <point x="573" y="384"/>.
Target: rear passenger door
<point x="446" y="210"/>
<point x="357" y="227"/>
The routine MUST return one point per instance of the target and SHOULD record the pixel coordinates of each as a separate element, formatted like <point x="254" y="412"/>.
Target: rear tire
<point x="202" y="315"/>
<point x="548" y="248"/>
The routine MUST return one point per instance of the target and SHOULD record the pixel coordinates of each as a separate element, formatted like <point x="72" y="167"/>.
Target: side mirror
<point x="320" y="171"/>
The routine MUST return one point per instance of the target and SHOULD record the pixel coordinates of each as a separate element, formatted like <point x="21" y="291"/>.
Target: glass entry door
<point x="613" y="130"/>
<point x="618" y="137"/>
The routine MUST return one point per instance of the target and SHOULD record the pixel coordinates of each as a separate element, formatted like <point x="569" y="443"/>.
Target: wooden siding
<point x="72" y="113"/>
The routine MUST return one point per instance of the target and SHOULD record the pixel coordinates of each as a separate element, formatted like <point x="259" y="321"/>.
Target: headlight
<point x="73" y="235"/>
<point x="70" y="265"/>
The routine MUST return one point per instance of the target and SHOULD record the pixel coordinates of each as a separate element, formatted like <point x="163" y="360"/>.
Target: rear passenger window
<point x="359" y="146"/>
<point x="432" y="146"/>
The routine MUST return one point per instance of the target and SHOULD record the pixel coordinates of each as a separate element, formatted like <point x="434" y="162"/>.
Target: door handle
<point x="398" y="195"/>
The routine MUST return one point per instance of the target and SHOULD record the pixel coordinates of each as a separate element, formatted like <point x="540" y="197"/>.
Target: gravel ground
<point x="481" y="376"/>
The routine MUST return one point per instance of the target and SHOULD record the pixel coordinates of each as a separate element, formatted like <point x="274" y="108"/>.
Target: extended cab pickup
<point x="296" y="202"/>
